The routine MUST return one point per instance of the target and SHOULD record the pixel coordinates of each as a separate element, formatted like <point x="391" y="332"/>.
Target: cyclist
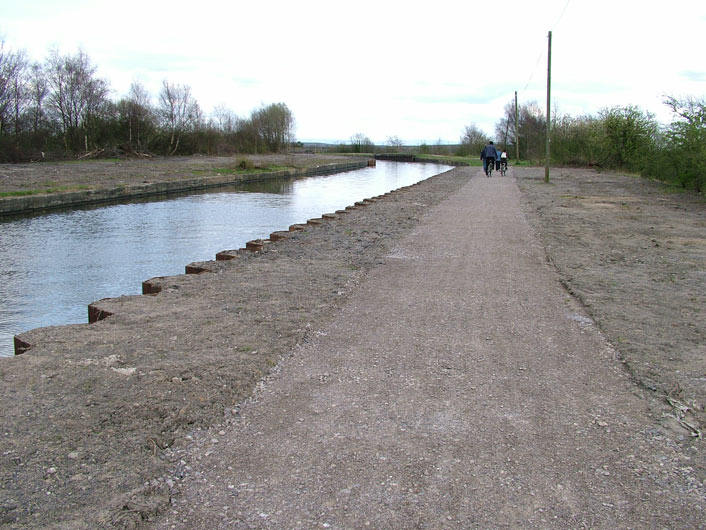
<point x="488" y="155"/>
<point x="503" y="161"/>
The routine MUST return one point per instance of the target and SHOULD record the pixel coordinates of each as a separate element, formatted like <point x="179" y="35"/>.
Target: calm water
<point x="52" y="266"/>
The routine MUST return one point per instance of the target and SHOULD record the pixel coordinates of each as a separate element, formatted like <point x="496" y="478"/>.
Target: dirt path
<point x="112" y="424"/>
<point x="459" y="386"/>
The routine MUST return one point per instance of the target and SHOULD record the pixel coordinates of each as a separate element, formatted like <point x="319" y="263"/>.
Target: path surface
<point x="459" y="387"/>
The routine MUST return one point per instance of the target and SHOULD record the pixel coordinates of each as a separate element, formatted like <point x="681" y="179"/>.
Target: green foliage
<point x="47" y="190"/>
<point x="681" y="154"/>
<point x="245" y="164"/>
<point x="577" y="141"/>
<point x="274" y="126"/>
<point x="361" y="144"/>
<point x="628" y="137"/>
<point x="440" y="159"/>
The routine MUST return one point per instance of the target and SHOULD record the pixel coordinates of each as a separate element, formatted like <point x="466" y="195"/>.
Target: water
<point x="52" y="266"/>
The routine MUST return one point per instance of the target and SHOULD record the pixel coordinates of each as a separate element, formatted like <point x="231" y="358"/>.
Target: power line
<point x="562" y="14"/>
<point x="534" y="70"/>
<point x="541" y="55"/>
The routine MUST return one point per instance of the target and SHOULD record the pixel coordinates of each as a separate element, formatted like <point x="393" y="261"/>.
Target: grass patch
<point x="467" y="160"/>
<point x="43" y="191"/>
<point x="238" y="170"/>
<point x="85" y="160"/>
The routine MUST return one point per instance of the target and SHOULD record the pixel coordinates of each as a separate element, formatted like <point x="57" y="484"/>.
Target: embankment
<point x="92" y="411"/>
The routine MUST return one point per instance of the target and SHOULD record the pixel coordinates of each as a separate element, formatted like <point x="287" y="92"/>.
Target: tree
<point x="472" y="140"/>
<point x="12" y="94"/>
<point x="226" y="120"/>
<point x="439" y="148"/>
<point x="275" y="126"/>
<point x="629" y="136"/>
<point x="505" y="128"/>
<point x="394" y="143"/>
<point x="136" y="116"/>
<point x="577" y="141"/>
<point x="532" y="131"/>
<point x="361" y="143"/>
<point x="37" y="92"/>
<point x="76" y="95"/>
<point x="178" y="111"/>
<point x="685" y="142"/>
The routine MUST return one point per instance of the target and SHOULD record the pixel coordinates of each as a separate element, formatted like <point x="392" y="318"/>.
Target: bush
<point x="246" y="164"/>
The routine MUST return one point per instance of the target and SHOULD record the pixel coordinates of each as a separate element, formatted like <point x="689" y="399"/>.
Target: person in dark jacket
<point x="488" y="155"/>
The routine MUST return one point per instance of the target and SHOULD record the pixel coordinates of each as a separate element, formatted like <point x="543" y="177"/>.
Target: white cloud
<point x="416" y="70"/>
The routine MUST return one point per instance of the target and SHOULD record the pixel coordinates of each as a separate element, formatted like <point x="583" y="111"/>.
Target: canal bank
<point x="53" y="265"/>
<point x="93" y="411"/>
<point x="69" y="185"/>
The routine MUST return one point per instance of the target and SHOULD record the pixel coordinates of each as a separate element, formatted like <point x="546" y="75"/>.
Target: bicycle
<point x="490" y="165"/>
<point x="503" y="168"/>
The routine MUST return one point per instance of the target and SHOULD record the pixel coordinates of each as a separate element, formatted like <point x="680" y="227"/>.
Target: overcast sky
<point x="416" y="70"/>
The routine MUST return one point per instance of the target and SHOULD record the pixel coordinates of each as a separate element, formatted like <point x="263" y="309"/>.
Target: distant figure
<point x="488" y="156"/>
<point x="503" y="160"/>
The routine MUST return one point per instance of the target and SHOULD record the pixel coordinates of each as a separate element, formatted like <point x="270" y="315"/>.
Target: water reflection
<point x="52" y="266"/>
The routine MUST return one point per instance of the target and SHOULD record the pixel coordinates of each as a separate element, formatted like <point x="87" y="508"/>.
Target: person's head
<point x="490" y="142"/>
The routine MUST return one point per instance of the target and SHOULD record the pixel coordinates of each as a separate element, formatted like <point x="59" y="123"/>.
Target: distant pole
<point x="549" y="111"/>
<point x="517" y="133"/>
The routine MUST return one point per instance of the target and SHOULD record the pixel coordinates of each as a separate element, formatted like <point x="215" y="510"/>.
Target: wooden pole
<point x="517" y="132"/>
<point x="549" y="110"/>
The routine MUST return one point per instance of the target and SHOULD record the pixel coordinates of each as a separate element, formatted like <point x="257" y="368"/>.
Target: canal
<point x="52" y="266"/>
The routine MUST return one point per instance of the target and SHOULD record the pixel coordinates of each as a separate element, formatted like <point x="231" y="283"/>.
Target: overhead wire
<point x="541" y="55"/>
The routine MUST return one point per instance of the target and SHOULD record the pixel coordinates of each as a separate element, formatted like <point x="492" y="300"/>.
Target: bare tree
<point x="439" y="147"/>
<point x="394" y="143"/>
<point x="226" y="120"/>
<point x="473" y="140"/>
<point x="178" y="111"/>
<point x="13" y="65"/>
<point x="37" y="92"/>
<point x="690" y="109"/>
<point x="136" y="115"/>
<point x="361" y="143"/>
<point x="76" y="95"/>
<point x="505" y="128"/>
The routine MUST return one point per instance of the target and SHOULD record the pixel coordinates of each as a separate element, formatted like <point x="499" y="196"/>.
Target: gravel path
<point x="459" y="386"/>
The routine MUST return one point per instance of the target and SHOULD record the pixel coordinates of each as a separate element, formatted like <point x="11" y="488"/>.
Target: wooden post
<point x="517" y="132"/>
<point x="549" y="110"/>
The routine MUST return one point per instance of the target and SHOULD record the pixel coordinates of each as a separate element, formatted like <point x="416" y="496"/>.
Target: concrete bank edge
<point x="152" y="286"/>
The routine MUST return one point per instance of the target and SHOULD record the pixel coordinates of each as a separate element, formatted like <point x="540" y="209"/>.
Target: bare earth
<point x="433" y="371"/>
<point x="100" y="174"/>
<point x="460" y="386"/>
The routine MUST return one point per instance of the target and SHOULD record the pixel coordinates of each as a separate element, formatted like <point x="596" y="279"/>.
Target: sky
<point x="418" y="71"/>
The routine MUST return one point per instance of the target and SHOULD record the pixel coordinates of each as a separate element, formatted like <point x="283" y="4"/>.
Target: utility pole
<point x="549" y="112"/>
<point x="517" y="133"/>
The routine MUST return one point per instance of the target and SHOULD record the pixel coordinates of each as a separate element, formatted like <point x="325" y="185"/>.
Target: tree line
<point x="625" y="138"/>
<point x="61" y="108"/>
